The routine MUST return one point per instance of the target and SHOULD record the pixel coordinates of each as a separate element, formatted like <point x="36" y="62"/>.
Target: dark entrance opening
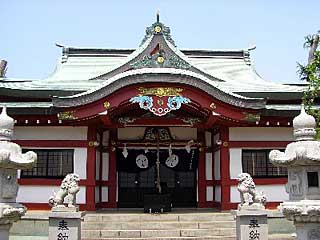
<point x="137" y="176"/>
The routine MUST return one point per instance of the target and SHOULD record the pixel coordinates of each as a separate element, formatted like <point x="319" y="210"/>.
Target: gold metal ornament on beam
<point x="160" y="91"/>
<point x="213" y="106"/>
<point x="106" y="105"/>
<point x="251" y="117"/>
<point x="67" y="115"/>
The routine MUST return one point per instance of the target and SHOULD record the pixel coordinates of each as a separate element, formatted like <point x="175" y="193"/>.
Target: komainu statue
<point x="68" y="189"/>
<point x="249" y="196"/>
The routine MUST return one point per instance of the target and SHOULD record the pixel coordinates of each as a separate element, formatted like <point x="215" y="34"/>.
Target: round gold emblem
<point x="157" y="29"/>
<point x="160" y="59"/>
<point x="106" y="104"/>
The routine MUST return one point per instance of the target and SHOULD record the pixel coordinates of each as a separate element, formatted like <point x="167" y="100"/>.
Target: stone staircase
<point x="169" y="226"/>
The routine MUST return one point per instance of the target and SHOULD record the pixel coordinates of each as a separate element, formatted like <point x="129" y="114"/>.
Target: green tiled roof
<point x="81" y="70"/>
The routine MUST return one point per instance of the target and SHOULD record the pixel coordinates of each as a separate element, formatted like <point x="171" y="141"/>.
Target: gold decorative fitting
<point x="213" y="106"/>
<point x="157" y="29"/>
<point x="106" y="105"/>
<point x="251" y="117"/>
<point x="67" y="115"/>
<point x="225" y="144"/>
<point x="160" y="59"/>
<point x="160" y="91"/>
<point x="93" y="144"/>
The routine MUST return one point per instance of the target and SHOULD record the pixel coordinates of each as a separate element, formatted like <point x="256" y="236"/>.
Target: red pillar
<point x="225" y="168"/>
<point x="91" y="169"/>
<point x="112" y="190"/>
<point x="201" y="172"/>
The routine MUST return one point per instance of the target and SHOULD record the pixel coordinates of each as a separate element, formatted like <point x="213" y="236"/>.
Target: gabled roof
<point x="81" y="71"/>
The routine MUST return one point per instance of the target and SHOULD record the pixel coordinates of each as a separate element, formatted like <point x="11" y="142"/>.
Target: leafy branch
<point x="311" y="74"/>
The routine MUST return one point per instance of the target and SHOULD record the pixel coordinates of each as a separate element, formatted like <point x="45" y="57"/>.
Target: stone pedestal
<point x="4" y="231"/>
<point x="308" y="231"/>
<point x="251" y="225"/>
<point x="65" y="225"/>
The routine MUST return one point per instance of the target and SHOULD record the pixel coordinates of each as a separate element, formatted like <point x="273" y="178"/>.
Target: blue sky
<point x="30" y="29"/>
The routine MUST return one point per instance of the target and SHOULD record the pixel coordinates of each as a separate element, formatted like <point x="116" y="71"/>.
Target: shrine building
<point x="155" y="119"/>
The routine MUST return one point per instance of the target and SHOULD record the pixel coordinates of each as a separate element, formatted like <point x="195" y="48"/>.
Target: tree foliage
<point x="311" y="73"/>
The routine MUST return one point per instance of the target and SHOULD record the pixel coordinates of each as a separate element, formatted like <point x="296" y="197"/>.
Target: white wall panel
<point x="183" y="133"/>
<point x="208" y="137"/>
<point x="217" y="193"/>
<point x="80" y="162"/>
<point x="97" y="194"/>
<point x="216" y="138"/>
<point x="97" y="165"/>
<point x="217" y="165"/>
<point x="50" y="133"/>
<point x="104" y="194"/>
<point x="105" y="138"/>
<point x="235" y="162"/>
<point x="105" y="166"/>
<point x="260" y="134"/>
<point x="274" y="193"/>
<point x="209" y="193"/>
<point x="209" y="166"/>
<point x="41" y="194"/>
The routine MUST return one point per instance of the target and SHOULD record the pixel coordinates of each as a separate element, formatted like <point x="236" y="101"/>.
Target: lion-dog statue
<point x="68" y="188"/>
<point x="248" y="194"/>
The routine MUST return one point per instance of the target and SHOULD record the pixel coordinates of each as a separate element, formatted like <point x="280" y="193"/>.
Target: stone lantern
<point x="302" y="159"/>
<point x="11" y="159"/>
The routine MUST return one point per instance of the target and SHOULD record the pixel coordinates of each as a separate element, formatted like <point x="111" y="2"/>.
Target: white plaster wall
<point x="105" y="166"/>
<point x="104" y="194"/>
<point x="260" y="134"/>
<point x="208" y="137"/>
<point x="105" y="138"/>
<point x="97" y="194"/>
<point x="131" y="133"/>
<point x="217" y="193"/>
<point x="235" y="162"/>
<point x="217" y="165"/>
<point x="97" y="165"/>
<point x="274" y="193"/>
<point x="41" y="194"/>
<point x="209" y="166"/>
<point x="209" y="193"/>
<point x="80" y="162"/>
<point x="50" y="133"/>
<point x="183" y="133"/>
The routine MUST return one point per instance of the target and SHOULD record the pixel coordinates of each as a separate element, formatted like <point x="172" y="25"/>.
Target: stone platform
<point x="191" y="224"/>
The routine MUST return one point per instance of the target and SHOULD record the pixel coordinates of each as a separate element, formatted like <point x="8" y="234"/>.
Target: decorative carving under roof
<point x="160" y="91"/>
<point x="163" y="134"/>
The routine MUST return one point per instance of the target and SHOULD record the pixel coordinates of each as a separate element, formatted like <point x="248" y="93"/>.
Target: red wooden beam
<point x="260" y="144"/>
<point x="52" y="143"/>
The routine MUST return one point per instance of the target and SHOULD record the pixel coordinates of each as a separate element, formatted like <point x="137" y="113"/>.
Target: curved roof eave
<point x="134" y="76"/>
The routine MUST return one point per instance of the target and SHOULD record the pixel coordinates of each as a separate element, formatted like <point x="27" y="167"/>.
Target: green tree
<point x="311" y="73"/>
